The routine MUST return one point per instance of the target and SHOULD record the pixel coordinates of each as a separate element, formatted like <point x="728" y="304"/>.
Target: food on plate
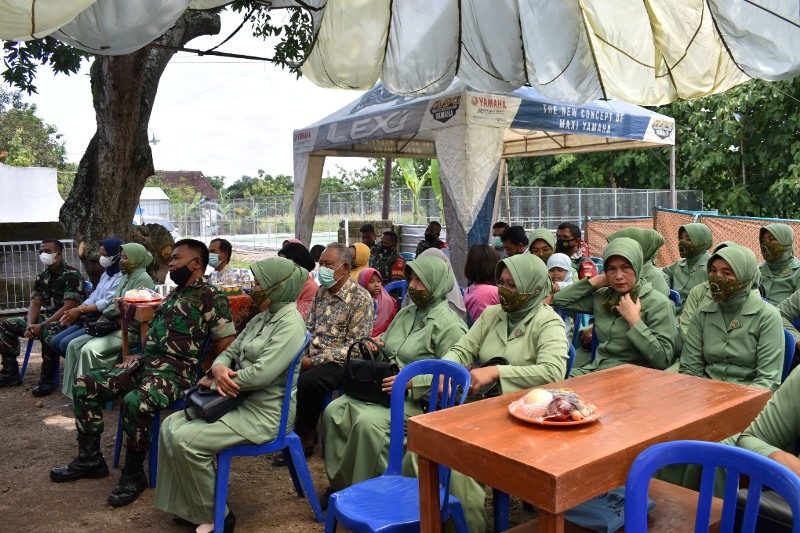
<point x="142" y="295"/>
<point x="553" y="405"/>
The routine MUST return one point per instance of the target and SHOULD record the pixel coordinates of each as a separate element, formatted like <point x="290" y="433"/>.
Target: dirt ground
<point x="37" y="434"/>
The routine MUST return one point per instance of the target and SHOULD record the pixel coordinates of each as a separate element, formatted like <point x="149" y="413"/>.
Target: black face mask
<point x="386" y="250"/>
<point x="180" y="276"/>
<point x="431" y="238"/>
<point x="562" y="245"/>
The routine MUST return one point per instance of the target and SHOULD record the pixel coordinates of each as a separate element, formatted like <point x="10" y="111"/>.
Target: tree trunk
<point x="118" y="160"/>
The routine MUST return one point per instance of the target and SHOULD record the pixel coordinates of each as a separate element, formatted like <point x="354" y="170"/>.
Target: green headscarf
<point x="435" y="275"/>
<point x="784" y="234"/>
<point x="530" y="276"/>
<point x="744" y="264"/>
<point x="649" y="240"/>
<point x="630" y="250"/>
<point x="138" y="256"/>
<point x="282" y="280"/>
<point x="724" y="244"/>
<point x="701" y="239"/>
<point x="543" y="234"/>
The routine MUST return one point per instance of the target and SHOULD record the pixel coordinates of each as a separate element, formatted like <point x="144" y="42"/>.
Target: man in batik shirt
<point x="155" y="379"/>
<point x="341" y="314"/>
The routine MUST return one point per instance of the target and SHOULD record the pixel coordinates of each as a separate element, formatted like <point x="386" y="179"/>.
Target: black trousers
<point x="312" y="387"/>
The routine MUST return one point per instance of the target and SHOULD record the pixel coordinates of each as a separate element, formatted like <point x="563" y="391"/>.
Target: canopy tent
<point x="648" y="53"/>
<point x="469" y="132"/>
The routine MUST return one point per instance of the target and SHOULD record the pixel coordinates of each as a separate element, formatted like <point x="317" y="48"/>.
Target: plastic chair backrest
<point x="571" y="360"/>
<point x="400" y="285"/>
<point x="454" y="391"/>
<point x="788" y="354"/>
<point x="287" y="395"/>
<point x="796" y="323"/>
<point x="675" y="297"/>
<point x="736" y="462"/>
<point x="408" y="256"/>
<point x="88" y="285"/>
<point x="595" y="342"/>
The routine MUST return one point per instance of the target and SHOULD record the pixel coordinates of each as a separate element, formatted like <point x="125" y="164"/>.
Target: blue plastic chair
<point x="408" y="256"/>
<point x="286" y="441"/>
<point x="710" y="456"/>
<point x="581" y="321"/>
<point x="675" y="297"/>
<point x="391" y="502"/>
<point x="595" y="342"/>
<point x="571" y="360"/>
<point x="88" y="285"/>
<point x="395" y="285"/>
<point x="788" y="354"/>
<point x="152" y="456"/>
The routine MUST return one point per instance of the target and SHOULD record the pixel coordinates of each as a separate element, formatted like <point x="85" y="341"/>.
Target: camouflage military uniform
<point x="50" y="288"/>
<point x="391" y="267"/>
<point x="167" y="367"/>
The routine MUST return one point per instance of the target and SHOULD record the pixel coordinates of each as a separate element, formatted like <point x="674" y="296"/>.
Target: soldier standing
<point x="155" y="379"/>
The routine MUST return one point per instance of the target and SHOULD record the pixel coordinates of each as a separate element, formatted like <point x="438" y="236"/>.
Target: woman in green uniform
<point x="634" y="323"/>
<point x="694" y="240"/>
<point x="738" y="337"/>
<point x="86" y="352"/>
<point x="780" y="273"/>
<point x="530" y="335"/>
<point x="357" y="433"/>
<point x="650" y="241"/>
<point x="266" y="348"/>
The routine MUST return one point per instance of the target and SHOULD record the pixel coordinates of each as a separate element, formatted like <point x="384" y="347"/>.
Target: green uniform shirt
<point x="779" y="286"/>
<point x="685" y="274"/>
<point x="52" y="288"/>
<point x="790" y="311"/>
<point x="777" y="427"/>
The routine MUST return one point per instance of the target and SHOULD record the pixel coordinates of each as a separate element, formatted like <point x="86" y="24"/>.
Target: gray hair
<point x="344" y="252"/>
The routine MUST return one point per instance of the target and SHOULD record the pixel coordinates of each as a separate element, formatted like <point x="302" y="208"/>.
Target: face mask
<point x="723" y="289"/>
<point x="513" y="301"/>
<point x="326" y="277"/>
<point x="420" y="297"/>
<point x="213" y="260"/>
<point x="127" y="268"/>
<point x="106" y="261"/>
<point x="258" y="297"/>
<point x="562" y="245"/>
<point x="47" y="259"/>
<point x="545" y="256"/>
<point x="181" y="275"/>
<point x="496" y="242"/>
<point x="431" y="239"/>
<point x="386" y="250"/>
<point x="688" y="249"/>
<point x="772" y="251"/>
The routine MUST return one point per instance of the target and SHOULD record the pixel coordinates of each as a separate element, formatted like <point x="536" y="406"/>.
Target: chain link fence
<point x="267" y="222"/>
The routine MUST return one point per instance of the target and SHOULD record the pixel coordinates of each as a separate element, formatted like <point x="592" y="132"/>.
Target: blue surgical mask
<point x="326" y="277"/>
<point x="213" y="260"/>
<point x="496" y="242"/>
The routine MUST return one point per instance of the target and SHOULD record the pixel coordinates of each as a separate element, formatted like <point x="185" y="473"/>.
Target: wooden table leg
<point x="551" y="523"/>
<point x="429" y="496"/>
<point x="123" y="313"/>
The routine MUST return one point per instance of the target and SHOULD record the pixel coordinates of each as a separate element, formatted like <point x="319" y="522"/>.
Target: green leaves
<point x="22" y="58"/>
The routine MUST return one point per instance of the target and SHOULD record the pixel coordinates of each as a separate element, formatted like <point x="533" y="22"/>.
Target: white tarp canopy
<point x="30" y="194"/>
<point x="469" y="132"/>
<point x="650" y="52"/>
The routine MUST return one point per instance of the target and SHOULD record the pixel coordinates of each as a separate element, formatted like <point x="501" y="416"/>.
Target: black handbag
<point x="487" y="391"/>
<point x="101" y="328"/>
<point x="209" y="404"/>
<point x="362" y="377"/>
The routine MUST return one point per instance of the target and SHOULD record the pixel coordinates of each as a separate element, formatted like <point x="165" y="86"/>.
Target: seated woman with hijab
<point x="634" y="323"/>
<point x="738" y="337"/>
<point x="266" y="348"/>
<point x="385" y="305"/>
<point x="694" y="240"/>
<point x="530" y="335"/>
<point x="454" y="297"/>
<point x="361" y="254"/>
<point x="780" y="273"/>
<point x="356" y="432"/>
<point x="479" y="269"/>
<point x="86" y="352"/>
<point x="302" y="258"/>
<point x="101" y="298"/>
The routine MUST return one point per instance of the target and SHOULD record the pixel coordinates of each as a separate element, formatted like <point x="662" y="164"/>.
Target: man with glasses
<point x="153" y="380"/>
<point x="58" y="288"/>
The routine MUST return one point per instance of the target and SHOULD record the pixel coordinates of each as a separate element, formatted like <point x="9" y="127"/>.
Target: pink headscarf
<point x="387" y="306"/>
<point x="296" y="241"/>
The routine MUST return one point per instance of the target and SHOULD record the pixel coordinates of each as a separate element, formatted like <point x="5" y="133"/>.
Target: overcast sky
<point x="221" y="116"/>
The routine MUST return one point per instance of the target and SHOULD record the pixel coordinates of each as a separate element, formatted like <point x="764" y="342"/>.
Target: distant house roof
<point x="192" y="178"/>
<point x="153" y="193"/>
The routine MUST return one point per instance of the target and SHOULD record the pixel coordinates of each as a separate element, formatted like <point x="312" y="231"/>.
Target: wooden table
<point x="557" y="468"/>
<point x="143" y="313"/>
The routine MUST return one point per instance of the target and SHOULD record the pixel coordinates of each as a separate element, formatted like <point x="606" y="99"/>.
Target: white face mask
<point x="106" y="261"/>
<point x="47" y="259"/>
